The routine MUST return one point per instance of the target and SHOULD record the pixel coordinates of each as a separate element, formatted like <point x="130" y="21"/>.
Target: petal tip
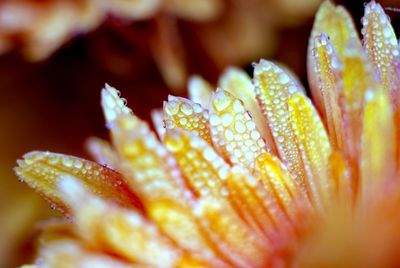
<point x="113" y="105"/>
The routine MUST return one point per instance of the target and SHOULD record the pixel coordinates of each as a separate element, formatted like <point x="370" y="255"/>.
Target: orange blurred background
<point x="50" y="96"/>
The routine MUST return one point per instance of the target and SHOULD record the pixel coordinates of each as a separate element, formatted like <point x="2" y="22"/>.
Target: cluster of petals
<point x="252" y="174"/>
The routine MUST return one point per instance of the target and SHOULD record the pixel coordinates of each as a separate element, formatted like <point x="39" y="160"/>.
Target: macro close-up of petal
<point x="250" y="170"/>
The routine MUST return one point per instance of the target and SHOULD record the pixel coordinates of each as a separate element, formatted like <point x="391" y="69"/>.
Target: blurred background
<point x="56" y="55"/>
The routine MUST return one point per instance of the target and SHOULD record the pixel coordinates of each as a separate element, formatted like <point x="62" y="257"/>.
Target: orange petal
<point x="133" y="9"/>
<point x="197" y="10"/>
<point x="167" y="49"/>
<point x="124" y="233"/>
<point x="42" y="171"/>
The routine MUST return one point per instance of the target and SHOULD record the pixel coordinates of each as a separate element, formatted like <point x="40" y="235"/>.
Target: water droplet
<point x="78" y="164"/>
<point x="226" y="119"/>
<point x="229" y="135"/>
<point x="186" y="109"/>
<point x="171" y="107"/>
<point x="221" y="101"/>
<point x="240" y="127"/>
<point x="67" y="162"/>
<point x="215" y="120"/>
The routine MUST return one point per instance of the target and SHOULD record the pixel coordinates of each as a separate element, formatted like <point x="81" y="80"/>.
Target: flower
<point x="164" y="32"/>
<point x="39" y="28"/>
<point x="247" y="176"/>
<point x="43" y="27"/>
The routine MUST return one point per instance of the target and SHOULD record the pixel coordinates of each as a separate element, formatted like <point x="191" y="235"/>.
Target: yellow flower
<point x="248" y="175"/>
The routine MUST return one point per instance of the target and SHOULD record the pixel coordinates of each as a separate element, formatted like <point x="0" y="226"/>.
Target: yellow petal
<point x="201" y="165"/>
<point x="102" y="152"/>
<point x="232" y="236"/>
<point x="355" y="65"/>
<point x="275" y="177"/>
<point x="195" y="262"/>
<point x="378" y="143"/>
<point x="380" y="42"/>
<point x="233" y="130"/>
<point x="336" y="23"/>
<point x="41" y="171"/>
<point x="273" y="88"/>
<point x="178" y="222"/>
<point x="199" y="90"/>
<point x="145" y="163"/>
<point x="313" y="144"/>
<point x="123" y="232"/>
<point x="185" y="114"/>
<point x="157" y="118"/>
<point x="66" y="253"/>
<point x="326" y="71"/>
<point x="239" y="84"/>
<point x="343" y="187"/>
<point x="258" y="206"/>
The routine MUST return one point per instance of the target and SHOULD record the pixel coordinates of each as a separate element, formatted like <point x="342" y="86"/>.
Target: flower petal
<point x="125" y="232"/>
<point x="351" y="97"/>
<point x="378" y="143"/>
<point x="199" y="91"/>
<point x="71" y="253"/>
<point x="313" y="145"/>
<point x="200" y="164"/>
<point x="273" y="88"/>
<point x="141" y="9"/>
<point x="41" y="171"/>
<point x="185" y="114"/>
<point x="196" y="10"/>
<point x="258" y="206"/>
<point x="335" y="22"/>
<point x="326" y="72"/>
<point x="275" y="177"/>
<point x="233" y="131"/>
<point x="239" y="84"/>
<point x="145" y="163"/>
<point x="157" y="118"/>
<point x="239" y="244"/>
<point x="102" y="152"/>
<point x="343" y="188"/>
<point x="380" y="42"/>
<point x="178" y="222"/>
